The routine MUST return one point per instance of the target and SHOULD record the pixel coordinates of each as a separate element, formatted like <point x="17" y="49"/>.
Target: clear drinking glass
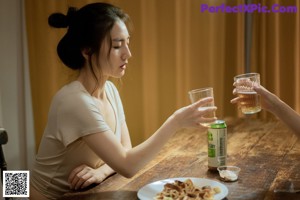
<point x="250" y="100"/>
<point x="198" y="94"/>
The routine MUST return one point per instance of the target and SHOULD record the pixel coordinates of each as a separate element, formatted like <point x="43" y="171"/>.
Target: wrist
<point x="173" y="122"/>
<point x="103" y="172"/>
<point x="107" y="170"/>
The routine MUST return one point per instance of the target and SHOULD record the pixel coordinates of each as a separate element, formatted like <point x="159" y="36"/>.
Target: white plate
<point x="148" y="192"/>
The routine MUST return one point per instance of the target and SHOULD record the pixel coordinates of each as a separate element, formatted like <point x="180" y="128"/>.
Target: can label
<point x="217" y="144"/>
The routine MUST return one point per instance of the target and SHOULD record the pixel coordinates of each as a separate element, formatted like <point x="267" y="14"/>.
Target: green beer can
<point x="217" y="144"/>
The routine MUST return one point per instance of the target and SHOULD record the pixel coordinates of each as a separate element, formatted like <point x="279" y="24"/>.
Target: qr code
<point x="15" y="183"/>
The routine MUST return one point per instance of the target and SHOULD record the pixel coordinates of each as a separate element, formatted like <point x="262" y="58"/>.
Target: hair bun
<point x="59" y="20"/>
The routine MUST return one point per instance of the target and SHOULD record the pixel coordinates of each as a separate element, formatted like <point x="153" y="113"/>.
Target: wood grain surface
<point x="266" y="151"/>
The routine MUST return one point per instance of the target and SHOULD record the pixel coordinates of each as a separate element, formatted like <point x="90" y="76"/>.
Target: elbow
<point x="128" y="167"/>
<point x="128" y="173"/>
<point x="128" y="170"/>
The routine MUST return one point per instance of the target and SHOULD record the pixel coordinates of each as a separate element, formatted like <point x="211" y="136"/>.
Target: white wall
<point x="15" y="103"/>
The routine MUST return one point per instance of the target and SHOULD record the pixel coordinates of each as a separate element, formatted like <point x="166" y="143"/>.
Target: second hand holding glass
<point x="250" y="100"/>
<point x="198" y="94"/>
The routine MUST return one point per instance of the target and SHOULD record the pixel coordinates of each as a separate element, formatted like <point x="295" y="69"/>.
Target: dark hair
<point x="87" y="28"/>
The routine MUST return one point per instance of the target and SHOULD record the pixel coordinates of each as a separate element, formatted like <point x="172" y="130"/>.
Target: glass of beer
<point x="198" y="94"/>
<point x="249" y="100"/>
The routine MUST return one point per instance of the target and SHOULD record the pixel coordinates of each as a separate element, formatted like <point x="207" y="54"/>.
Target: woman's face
<point x="114" y="65"/>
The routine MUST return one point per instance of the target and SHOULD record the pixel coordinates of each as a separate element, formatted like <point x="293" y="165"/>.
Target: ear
<point x="86" y="53"/>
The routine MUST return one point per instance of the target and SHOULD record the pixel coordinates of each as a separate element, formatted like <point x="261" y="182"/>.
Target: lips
<point x="123" y="66"/>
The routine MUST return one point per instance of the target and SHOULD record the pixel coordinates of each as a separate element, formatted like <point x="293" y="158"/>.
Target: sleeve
<point x="78" y="116"/>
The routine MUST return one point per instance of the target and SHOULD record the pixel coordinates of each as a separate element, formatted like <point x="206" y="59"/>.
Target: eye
<point x="116" y="47"/>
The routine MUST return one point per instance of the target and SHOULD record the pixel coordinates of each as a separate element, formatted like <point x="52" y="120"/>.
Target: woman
<point x="86" y="138"/>
<point x="276" y="106"/>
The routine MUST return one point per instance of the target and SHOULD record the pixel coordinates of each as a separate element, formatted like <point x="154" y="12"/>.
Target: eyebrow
<point x="119" y="40"/>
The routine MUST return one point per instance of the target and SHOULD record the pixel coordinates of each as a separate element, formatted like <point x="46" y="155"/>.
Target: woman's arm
<point x="276" y="106"/>
<point x="280" y="109"/>
<point x="128" y="161"/>
<point x="125" y="137"/>
<point x="83" y="175"/>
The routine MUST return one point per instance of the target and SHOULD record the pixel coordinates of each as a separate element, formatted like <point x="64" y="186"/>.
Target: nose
<point x="127" y="54"/>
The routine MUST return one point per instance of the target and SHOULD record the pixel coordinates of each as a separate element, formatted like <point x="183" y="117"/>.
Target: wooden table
<point x="266" y="151"/>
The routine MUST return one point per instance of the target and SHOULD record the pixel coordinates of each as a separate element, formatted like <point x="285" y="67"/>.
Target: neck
<point x="95" y="88"/>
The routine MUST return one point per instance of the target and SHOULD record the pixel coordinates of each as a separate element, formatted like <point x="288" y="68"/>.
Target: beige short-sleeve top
<point x="72" y="115"/>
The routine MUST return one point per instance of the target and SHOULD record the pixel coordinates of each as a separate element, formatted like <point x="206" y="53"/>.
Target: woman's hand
<point x="193" y="115"/>
<point x="243" y="84"/>
<point x="268" y="99"/>
<point x="83" y="176"/>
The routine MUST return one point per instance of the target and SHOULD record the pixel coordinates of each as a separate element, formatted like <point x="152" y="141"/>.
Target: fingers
<point x="242" y="101"/>
<point x="203" y="102"/>
<point x="208" y="120"/>
<point x="204" y="123"/>
<point x="235" y="100"/>
<point x="206" y="110"/>
<point x="80" y="177"/>
<point x="77" y="181"/>
<point x="243" y="84"/>
<point x="74" y="173"/>
<point x="204" y="106"/>
<point x="81" y="180"/>
<point x="204" y="116"/>
<point x="88" y="182"/>
<point x="234" y="92"/>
